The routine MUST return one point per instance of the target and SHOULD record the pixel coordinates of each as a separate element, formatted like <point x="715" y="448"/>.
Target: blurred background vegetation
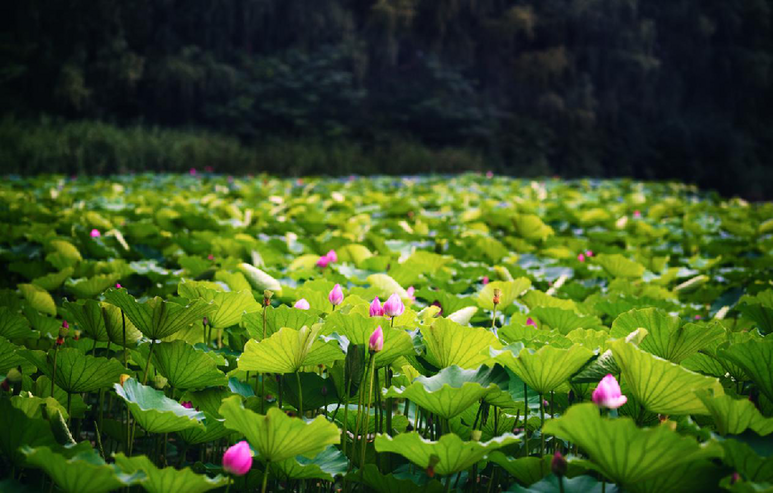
<point x="651" y="89"/>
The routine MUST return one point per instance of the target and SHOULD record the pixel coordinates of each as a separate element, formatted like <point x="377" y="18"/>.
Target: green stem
<point x="494" y="317"/>
<point x="265" y="479"/>
<point x="123" y="323"/>
<point x="541" y="426"/>
<point x="300" y="394"/>
<point x="561" y="484"/>
<point x="389" y="401"/>
<point x="526" y="418"/>
<point x="53" y="375"/>
<point x="344" y="435"/>
<point x="367" y="411"/>
<point x="69" y="416"/>
<point x="147" y="364"/>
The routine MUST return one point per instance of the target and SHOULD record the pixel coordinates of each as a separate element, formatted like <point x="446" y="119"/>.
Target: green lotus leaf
<point x="186" y="367"/>
<point x="746" y="461"/>
<point x="89" y="288"/>
<point x="384" y="286"/>
<point x="577" y="484"/>
<point x="276" y="318"/>
<point x="19" y="429"/>
<point x="38" y="298"/>
<point x="531" y="227"/>
<point x="509" y="291"/>
<point x="734" y="416"/>
<point x="42" y="388"/>
<point x="11" y="357"/>
<point x="562" y="320"/>
<point x="758" y="308"/>
<point x="420" y="262"/>
<point x="358" y="329"/>
<point x="699" y="475"/>
<point x="14" y="326"/>
<point x="589" y="338"/>
<point x="214" y="429"/>
<point x="76" y="372"/>
<point x="666" y="337"/>
<point x="168" y="479"/>
<point x="621" y="451"/>
<point x="259" y="280"/>
<point x="88" y="315"/>
<point x="231" y="306"/>
<point x="85" y="472"/>
<point x="451" y="453"/>
<point x="288" y="350"/>
<point x="155" y="412"/>
<point x="527" y="470"/>
<point x="534" y="299"/>
<point x="617" y="265"/>
<point x="157" y="318"/>
<point x="463" y="316"/>
<point x="659" y="385"/>
<point x="449" y="392"/>
<point x="277" y="436"/>
<point x="389" y="483"/>
<point x="326" y="466"/>
<point x="449" y="343"/>
<point x="545" y="369"/>
<point x="52" y="281"/>
<point x="115" y="323"/>
<point x="756" y="359"/>
<point x="63" y="254"/>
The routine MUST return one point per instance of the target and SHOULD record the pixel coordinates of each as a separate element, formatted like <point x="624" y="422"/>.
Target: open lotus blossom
<point x="376" y="340"/>
<point x="376" y="310"/>
<point x="95" y="233"/>
<point x="238" y="459"/>
<point x="411" y="293"/>
<point x="581" y="257"/>
<point x="336" y="295"/>
<point x="394" y="307"/>
<point x="608" y="393"/>
<point x="302" y="304"/>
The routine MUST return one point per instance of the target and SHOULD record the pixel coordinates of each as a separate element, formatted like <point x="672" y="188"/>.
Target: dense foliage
<point x="663" y="88"/>
<point x="148" y="323"/>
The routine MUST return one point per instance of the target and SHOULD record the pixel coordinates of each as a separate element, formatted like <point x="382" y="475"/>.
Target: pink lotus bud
<point x="637" y="214"/>
<point x="608" y="393"/>
<point x="332" y="256"/>
<point x="65" y="325"/>
<point x="187" y="404"/>
<point x="336" y="295"/>
<point x="210" y="257"/>
<point x="192" y="171"/>
<point x="323" y="261"/>
<point x="698" y="317"/>
<point x="95" y="233"/>
<point x="118" y="285"/>
<point x="589" y="253"/>
<point x="530" y="321"/>
<point x="558" y="464"/>
<point x="302" y="304"/>
<point x="489" y="174"/>
<point x="484" y="280"/>
<point x="393" y="307"/>
<point x="411" y="290"/>
<point x="237" y="459"/>
<point x="581" y="257"/>
<point x="376" y="341"/>
<point x="376" y="310"/>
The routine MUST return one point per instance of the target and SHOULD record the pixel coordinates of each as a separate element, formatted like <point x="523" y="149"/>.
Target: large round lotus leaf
<point x="621" y="451"/>
<point x="577" y="484"/>
<point x="155" y="412"/>
<point x="89" y="288"/>
<point x="449" y="343"/>
<point x="734" y="416"/>
<point x="276" y="436"/>
<point x="756" y="359"/>
<point x="698" y="475"/>
<point x="53" y="281"/>
<point x="231" y="305"/>
<point x="88" y="317"/>
<point x="659" y="385"/>
<point x="449" y="392"/>
<point x="20" y="429"/>
<point x="389" y="483"/>
<point x="617" y="265"/>
<point x="509" y="291"/>
<point x="326" y="466"/>
<point x="545" y="369"/>
<point x="168" y="479"/>
<point x="527" y="470"/>
<point x="157" y="318"/>
<point x="214" y="429"/>
<point x="450" y="454"/>
<point x="276" y="318"/>
<point x="358" y="329"/>
<point x="14" y="326"/>
<point x="288" y="350"/>
<point x="744" y="459"/>
<point x="115" y="324"/>
<point x="76" y="372"/>
<point x="85" y="472"/>
<point x="11" y="356"/>
<point x="186" y="367"/>
<point x="38" y="298"/>
<point x="666" y="337"/>
<point x="564" y="321"/>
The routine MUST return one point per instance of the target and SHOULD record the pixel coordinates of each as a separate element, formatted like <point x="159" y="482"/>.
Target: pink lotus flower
<point x="698" y="317"/>
<point x="484" y="280"/>
<point x="530" y="321"/>
<point x="210" y="257"/>
<point x="237" y="459"/>
<point x="95" y="233"/>
<point x="187" y="404"/>
<point x="332" y="256"/>
<point x="302" y="304"/>
<point x="637" y="214"/>
<point x="118" y="285"/>
<point x="581" y="257"/>
<point x="589" y="253"/>
<point x="411" y="290"/>
<point x="323" y="261"/>
<point x="489" y="174"/>
<point x="376" y="340"/>
<point x="192" y="171"/>
<point x="394" y="307"/>
<point x="336" y="295"/>
<point x="608" y="393"/>
<point x="65" y="325"/>
<point x="376" y="310"/>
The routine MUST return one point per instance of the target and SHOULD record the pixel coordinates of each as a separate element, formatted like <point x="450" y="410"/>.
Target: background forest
<point x="648" y="89"/>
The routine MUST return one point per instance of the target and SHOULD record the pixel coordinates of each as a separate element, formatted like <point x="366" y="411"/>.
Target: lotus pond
<point x="186" y="334"/>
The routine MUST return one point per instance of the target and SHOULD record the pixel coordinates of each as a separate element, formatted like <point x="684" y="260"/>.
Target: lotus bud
<point x="210" y="257"/>
<point x="302" y="304"/>
<point x="581" y="257"/>
<point x="558" y="464"/>
<point x="637" y="214"/>
<point x="376" y="310"/>
<point x="411" y="290"/>
<point x="237" y="459"/>
<point x="205" y="320"/>
<point x="332" y="256"/>
<point x="64" y="330"/>
<point x="160" y="381"/>
<point x="267" y="295"/>
<point x="484" y="280"/>
<point x="95" y="233"/>
<point x="376" y="341"/>
<point x="735" y="478"/>
<point x="394" y="307"/>
<point x="489" y="174"/>
<point x="65" y="325"/>
<point x="497" y="296"/>
<point x="323" y="261"/>
<point x="608" y="393"/>
<point x="530" y="321"/>
<point x="118" y="285"/>
<point x="123" y="378"/>
<point x="192" y="171"/>
<point x="589" y="253"/>
<point x="336" y="295"/>
<point x="475" y="435"/>
<point x="187" y="404"/>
